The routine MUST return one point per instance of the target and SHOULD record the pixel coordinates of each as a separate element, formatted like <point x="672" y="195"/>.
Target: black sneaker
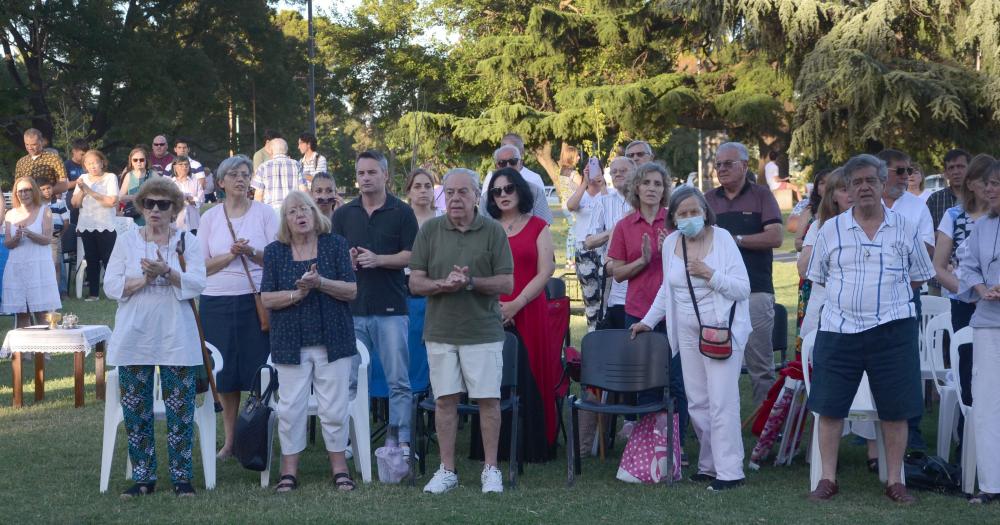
<point x="720" y="485"/>
<point x="701" y="477"/>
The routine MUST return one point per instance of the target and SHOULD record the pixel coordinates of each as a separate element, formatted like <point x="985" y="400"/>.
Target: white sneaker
<point x="443" y="481"/>
<point x="492" y="479"/>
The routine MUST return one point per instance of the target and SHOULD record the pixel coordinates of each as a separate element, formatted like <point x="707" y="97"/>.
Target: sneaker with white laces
<point x="492" y="479"/>
<point x="443" y="481"/>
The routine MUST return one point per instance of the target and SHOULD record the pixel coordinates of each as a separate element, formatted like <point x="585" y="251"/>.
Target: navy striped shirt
<point x="867" y="280"/>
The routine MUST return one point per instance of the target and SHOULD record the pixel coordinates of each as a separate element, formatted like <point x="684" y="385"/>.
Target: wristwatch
<point x="739" y="240"/>
<point x="469" y="286"/>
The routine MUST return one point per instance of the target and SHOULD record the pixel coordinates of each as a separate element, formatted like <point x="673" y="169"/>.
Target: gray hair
<point x="741" y="150"/>
<point x="278" y="147"/>
<point x="473" y="177"/>
<point x="506" y="147"/>
<point x="859" y="162"/>
<point x="649" y="149"/>
<point x="231" y="164"/>
<point x="630" y="162"/>
<point x="513" y="139"/>
<point x="682" y="194"/>
<point x="32" y="132"/>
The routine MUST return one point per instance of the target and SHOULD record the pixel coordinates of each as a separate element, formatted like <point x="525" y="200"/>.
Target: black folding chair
<point x="612" y="361"/>
<point x="509" y="404"/>
<point x="555" y="288"/>
<point x="779" y="336"/>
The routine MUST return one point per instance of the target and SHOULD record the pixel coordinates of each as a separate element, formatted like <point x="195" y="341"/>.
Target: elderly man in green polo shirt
<point x="462" y="262"/>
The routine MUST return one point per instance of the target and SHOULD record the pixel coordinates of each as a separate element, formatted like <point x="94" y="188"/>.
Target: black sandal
<point x="343" y="482"/>
<point x="139" y="489"/>
<point x="286" y="483"/>
<point x="183" y="488"/>
<point x="985" y="498"/>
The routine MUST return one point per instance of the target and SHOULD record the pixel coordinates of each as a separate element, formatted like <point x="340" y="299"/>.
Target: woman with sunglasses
<point x="29" y="283"/>
<point x="233" y="236"/>
<point x="323" y="190"/>
<point x="96" y="197"/>
<point x="979" y="282"/>
<point x="135" y="173"/>
<point x="525" y="309"/>
<point x="155" y="327"/>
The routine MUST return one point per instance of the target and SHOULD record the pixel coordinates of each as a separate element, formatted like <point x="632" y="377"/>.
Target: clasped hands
<point x="308" y="282"/>
<point x="241" y="247"/>
<point x="992" y="293"/>
<point x="152" y="269"/>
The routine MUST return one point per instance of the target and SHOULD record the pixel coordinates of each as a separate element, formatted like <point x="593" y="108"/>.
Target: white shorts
<point x="474" y="369"/>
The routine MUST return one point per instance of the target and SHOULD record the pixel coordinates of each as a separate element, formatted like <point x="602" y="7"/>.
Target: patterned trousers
<point x="589" y="271"/>
<point x="178" y="385"/>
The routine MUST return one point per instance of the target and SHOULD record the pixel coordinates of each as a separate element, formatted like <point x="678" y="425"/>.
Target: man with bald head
<point x="275" y="178"/>
<point x="161" y="158"/>
<point x="462" y="263"/>
<point x="43" y="166"/>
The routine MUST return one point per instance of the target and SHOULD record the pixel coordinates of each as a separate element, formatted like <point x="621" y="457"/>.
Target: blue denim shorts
<point x="889" y="353"/>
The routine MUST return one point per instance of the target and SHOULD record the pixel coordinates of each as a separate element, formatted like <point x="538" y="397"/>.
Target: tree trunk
<point x="555" y="169"/>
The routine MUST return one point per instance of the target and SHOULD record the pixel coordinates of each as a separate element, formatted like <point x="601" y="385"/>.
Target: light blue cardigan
<point x="730" y="282"/>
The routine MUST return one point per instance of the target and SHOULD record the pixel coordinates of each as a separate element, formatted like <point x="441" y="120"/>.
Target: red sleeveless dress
<point x="531" y="324"/>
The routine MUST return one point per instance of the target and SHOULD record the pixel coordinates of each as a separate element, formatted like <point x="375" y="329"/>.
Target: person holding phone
<point x="589" y="270"/>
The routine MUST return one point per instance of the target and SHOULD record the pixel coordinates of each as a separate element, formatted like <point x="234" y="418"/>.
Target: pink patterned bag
<point x="645" y="457"/>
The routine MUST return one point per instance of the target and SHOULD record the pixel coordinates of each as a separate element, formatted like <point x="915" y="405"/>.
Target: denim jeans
<point x="386" y="337"/>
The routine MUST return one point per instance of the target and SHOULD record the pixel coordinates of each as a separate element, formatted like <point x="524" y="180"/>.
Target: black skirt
<point x="230" y="324"/>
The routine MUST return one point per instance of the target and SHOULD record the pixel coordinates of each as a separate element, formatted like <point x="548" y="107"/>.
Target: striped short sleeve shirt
<point x="277" y="178"/>
<point x="867" y="280"/>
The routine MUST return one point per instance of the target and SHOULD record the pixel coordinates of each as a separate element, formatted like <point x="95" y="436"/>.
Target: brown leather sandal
<point x="897" y="493"/>
<point x="825" y="491"/>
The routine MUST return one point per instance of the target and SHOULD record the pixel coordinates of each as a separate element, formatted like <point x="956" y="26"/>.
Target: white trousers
<point x="330" y="382"/>
<point x="986" y="406"/>
<point x="713" y="395"/>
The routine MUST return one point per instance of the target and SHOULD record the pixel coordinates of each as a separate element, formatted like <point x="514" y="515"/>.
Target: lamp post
<point x="312" y="73"/>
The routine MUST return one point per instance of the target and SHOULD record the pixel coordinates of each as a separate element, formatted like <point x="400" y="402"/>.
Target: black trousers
<point x="97" y="248"/>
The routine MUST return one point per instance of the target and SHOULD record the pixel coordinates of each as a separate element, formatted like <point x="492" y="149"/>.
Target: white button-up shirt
<point x="916" y="212"/>
<point x="607" y="211"/>
<point x="867" y="280"/>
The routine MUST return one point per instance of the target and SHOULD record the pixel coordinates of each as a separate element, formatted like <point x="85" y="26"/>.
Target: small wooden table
<point x="40" y="341"/>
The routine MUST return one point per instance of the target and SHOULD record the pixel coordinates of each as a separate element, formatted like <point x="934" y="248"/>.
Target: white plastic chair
<point x="204" y="420"/>
<point x="930" y="307"/>
<point x="361" y="438"/>
<point x="932" y="368"/>
<point x="968" y="459"/>
<point x="862" y="410"/>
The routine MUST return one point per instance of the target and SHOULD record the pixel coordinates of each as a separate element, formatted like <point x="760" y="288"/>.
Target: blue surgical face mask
<point x="691" y="226"/>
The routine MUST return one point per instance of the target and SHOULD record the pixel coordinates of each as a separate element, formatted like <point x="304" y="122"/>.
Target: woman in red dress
<point x="526" y="309"/>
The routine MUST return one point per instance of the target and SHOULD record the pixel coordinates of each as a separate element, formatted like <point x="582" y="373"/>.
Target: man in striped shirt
<point x="608" y="210"/>
<point x="277" y="177"/>
<point x="870" y="259"/>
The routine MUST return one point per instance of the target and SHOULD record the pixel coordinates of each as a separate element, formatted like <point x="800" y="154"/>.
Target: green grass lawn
<point x="50" y="459"/>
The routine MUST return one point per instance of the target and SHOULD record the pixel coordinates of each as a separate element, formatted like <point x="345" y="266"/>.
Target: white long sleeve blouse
<point x="730" y="283"/>
<point x="155" y="325"/>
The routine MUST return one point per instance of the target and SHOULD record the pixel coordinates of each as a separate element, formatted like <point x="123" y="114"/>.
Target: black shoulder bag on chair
<point x="714" y="342"/>
<point x="252" y="442"/>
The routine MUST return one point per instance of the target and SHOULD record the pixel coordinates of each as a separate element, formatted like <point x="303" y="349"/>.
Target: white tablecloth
<point x="58" y="341"/>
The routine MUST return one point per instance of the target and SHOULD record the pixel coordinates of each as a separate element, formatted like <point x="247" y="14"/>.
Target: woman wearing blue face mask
<point x="714" y="287"/>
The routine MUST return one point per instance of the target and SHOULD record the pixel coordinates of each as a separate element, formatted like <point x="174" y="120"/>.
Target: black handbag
<point x="254" y="425"/>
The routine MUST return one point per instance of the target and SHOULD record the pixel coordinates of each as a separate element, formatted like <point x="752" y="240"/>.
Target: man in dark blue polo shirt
<point x="380" y="230"/>
<point x="750" y="213"/>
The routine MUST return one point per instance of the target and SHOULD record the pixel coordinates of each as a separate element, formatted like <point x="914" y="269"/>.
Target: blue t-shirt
<point x="73" y="170"/>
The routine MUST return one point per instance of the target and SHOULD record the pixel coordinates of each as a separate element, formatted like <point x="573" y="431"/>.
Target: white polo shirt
<point x="607" y="211"/>
<point x="916" y="212"/>
<point x="867" y="280"/>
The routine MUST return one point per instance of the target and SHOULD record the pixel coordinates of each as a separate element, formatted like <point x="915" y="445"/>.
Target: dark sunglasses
<point x="500" y="190"/>
<point x="161" y="204"/>
<point x="509" y="163"/>
<point x="159" y="143"/>
<point x="904" y="171"/>
<point x="138" y="160"/>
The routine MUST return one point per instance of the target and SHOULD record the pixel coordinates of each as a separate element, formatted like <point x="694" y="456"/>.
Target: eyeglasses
<point x="904" y="171"/>
<point x="500" y="190"/>
<point x="160" y="144"/>
<point x="237" y="174"/>
<point x="726" y="164"/>
<point x="508" y="163"/>
<point x="139" y="160"/>
<point x="636" y="154"/>
<point x="160" y="204"/>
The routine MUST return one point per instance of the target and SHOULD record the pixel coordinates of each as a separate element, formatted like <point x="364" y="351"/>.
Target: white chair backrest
<point x="959" y="338"/>
<point x="930" y="307"/>
<point x="932" y="346"/>
<point x="216" y="368"/>
<point x="807" y="349"/>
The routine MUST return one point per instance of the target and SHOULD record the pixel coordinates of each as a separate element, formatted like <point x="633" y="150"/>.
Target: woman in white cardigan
<point x="721" y="286"/>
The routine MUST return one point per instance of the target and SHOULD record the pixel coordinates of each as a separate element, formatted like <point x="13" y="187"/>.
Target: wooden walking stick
<point x="205" y="356"/>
